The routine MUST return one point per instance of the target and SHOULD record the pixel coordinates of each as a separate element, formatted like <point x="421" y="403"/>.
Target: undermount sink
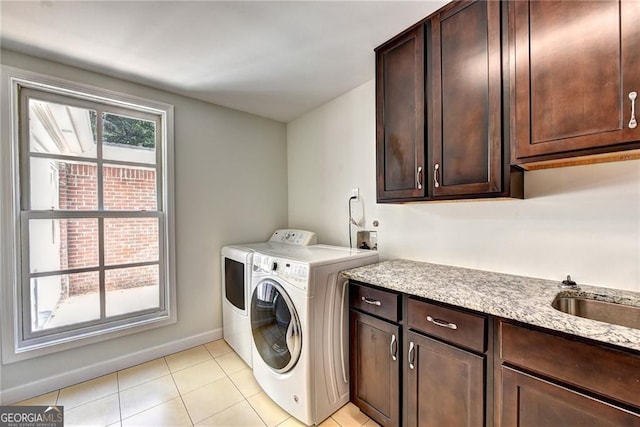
<point x="604" y="311"/>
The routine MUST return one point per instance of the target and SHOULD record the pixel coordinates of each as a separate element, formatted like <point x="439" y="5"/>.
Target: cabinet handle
<point x="419" y="178"/>
<point x="436" y="168"/>
<point x="371" y="301"/>
<point x="393" y="347"/>
<point x="633" y="123"/>
<point x="442" y="323"/>
<point x="412" y="348"/>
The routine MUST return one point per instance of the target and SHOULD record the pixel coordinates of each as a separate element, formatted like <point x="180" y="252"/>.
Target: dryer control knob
<point x="274" y="266"/>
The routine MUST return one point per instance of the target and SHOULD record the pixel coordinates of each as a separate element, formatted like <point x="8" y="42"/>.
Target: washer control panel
<point x="294" y="237"/>
<point x="292" y="272"/>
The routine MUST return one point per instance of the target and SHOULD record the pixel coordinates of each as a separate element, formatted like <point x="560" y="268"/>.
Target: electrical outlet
<point x="355" y="192"/>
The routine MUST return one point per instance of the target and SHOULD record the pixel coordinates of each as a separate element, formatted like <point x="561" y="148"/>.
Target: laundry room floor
<point x="208" y="385"/>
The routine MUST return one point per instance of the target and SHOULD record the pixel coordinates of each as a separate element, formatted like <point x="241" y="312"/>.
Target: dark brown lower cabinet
<point x="421" y="363"/>
<point x="445" y="384"/>
<point x="552" y="379"/>
<point x="375" y="368"/>
<point x="529" y="401"/>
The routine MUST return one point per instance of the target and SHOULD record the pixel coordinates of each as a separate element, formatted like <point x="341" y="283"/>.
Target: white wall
<point x="583" y="221"/>
<point x="230" y="186"/>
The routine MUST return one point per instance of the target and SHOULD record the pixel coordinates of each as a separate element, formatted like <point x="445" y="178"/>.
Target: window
<point x="93" y="212"/>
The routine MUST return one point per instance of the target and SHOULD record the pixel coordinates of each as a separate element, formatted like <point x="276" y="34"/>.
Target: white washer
<point x="299" y="321"/>
<point x="236" y="266"/>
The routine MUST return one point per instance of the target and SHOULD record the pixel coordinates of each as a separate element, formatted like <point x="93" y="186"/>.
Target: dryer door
<point x="275" y="326"/>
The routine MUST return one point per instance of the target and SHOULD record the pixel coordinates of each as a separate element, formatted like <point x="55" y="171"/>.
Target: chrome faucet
<point x="568" y="284"/>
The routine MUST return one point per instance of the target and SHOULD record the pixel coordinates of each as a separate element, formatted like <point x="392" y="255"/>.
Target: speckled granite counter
<point x="524" y="299"/>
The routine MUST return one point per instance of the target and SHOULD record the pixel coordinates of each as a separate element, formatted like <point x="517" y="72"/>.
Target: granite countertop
<point x="524" y="299"/>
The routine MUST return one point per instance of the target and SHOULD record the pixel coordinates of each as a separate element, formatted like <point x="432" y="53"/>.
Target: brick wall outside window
<point x="127" y="240"/>
<point x="129" y="189"/>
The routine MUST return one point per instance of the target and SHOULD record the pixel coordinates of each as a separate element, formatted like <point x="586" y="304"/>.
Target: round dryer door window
<point x="275" y="326"/>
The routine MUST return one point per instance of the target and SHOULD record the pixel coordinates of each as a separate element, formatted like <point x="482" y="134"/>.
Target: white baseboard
<point x="65" y="379"/>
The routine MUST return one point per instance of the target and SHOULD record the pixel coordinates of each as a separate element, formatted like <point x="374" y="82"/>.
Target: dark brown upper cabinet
<point x="439" y="102"/>
<point x="575" y="67"/>
<point x="400" y="117"/>
<point x="466" y="100"/>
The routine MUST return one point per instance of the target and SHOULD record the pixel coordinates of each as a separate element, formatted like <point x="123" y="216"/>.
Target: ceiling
<point x="271" y="58"/>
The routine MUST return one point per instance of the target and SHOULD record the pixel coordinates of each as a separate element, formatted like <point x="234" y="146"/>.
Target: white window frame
<point x="16" y="344"/>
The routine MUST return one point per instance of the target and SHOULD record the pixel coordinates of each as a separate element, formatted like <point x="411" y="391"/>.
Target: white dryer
<point x="299" y="322"/>
<point x="236" y="266"/>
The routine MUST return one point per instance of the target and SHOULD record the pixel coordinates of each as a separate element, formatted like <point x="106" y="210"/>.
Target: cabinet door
<point x="574" y="65"/>
<point x="528" y="401"/>
<point x="400" y="117"/>
<point x="445" y="384"/>
<point x="466" y="99"/>
<point x="375" y="368"/>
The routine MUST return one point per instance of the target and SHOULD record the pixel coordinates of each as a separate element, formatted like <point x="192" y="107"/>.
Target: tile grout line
<point x="244" y="398"/>
<point x="180" y="394"/>
<point x="226" y="375"/>
<point x="151" y="407"/>
<point x="257" y="413"/>
<point x="170" y="373"/>
<point x="119" y="404"/>
<point x="95" y="399"/>
<point x="202" y="386"/>
<point x="164" y="359"/>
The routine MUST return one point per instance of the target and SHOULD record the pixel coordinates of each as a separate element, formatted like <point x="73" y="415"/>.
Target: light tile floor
<point x="208" y="385"/>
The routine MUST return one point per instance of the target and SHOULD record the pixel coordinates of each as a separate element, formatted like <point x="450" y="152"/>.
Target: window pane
<point x="89" y="174"/>
<point x="130" y="240"/>
<point x="62" y="244"/>
<point x="62" y="300"/>
<point x="128" y="139"/>
<point x="63" y="185"/>
<point x="132" y="289"/>
<point x="61" y="129"/>
<point x="129" y="188"/>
